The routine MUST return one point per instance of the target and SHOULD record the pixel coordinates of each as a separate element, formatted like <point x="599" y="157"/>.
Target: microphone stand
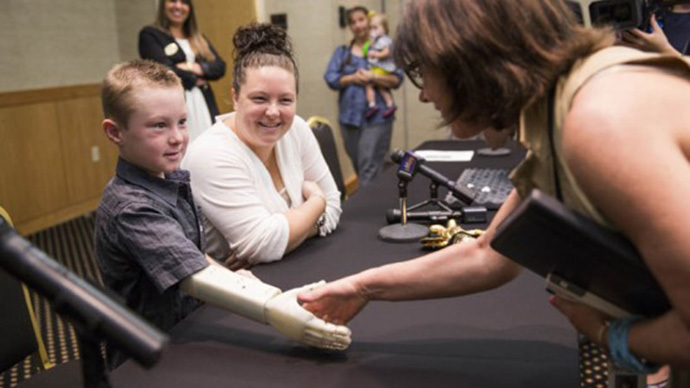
<point x="93" y="368"/>
<point x="444" y="214"/>
<point x="403" y="231"/>
<point x="433" y="200"/>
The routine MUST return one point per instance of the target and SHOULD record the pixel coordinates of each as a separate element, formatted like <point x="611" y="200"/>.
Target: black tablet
<point x="580" y="259"/>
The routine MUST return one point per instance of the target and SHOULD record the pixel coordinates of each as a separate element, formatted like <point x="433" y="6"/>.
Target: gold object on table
<point x="442" y="236"/>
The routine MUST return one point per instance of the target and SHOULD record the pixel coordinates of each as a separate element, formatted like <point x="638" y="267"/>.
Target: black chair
<point x="20" y="335"/>
<point x="324" y="135"/>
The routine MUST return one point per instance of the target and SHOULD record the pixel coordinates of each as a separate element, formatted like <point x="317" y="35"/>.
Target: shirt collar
<point x="167" y="188"/>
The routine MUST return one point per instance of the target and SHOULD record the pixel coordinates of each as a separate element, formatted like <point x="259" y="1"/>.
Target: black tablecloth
<point x="509" y="337"/>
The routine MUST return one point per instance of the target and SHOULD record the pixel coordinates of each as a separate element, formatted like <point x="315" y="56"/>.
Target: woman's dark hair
<point x="189" y="28"/>
<point x="497" y="56"/>
<point x="259" y="45"/>
<point x="348" y="16"/>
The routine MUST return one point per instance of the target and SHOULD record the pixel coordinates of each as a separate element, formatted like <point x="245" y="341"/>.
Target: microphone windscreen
<point x="397" y="155"/>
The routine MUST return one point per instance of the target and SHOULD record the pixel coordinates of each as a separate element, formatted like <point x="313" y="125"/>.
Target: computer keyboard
<point x="490" y="186"/>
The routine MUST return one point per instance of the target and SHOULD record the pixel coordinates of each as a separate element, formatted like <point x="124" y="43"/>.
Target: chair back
<point x="324" y="135"/>
<point x="20" y="335"/>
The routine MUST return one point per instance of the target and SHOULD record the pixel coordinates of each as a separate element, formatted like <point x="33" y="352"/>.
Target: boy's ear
<point x="112" y="131"/>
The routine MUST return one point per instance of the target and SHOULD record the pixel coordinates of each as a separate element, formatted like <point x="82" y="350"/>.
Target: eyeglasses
<point x="415" y="74"/>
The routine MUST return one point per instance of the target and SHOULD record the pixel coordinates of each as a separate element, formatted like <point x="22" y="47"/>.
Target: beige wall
<point x="48" y="43"/>
<point x="313" y="26"/>
<point x="131" y="16"/>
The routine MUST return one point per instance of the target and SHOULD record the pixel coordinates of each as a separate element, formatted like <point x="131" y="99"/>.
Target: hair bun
<point x="261" y="38"/>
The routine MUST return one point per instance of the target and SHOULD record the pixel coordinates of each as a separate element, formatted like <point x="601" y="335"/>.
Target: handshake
<point x="261" y="302"/>
<point x="290" y="319"/>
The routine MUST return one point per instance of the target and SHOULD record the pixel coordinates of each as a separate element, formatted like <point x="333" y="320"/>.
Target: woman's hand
<point x="365" y="76"/>
<point x="233" y="263"/>
<point x="654" y="41"/>
<point x="285" y="314"/>
<point x="336" y="302"/>
<point x="587" y="320"/>
<point x="360" y="77"/>
<point x="191" y="67"/>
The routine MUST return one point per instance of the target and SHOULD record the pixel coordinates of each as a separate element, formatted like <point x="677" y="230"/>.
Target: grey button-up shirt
<point x="148" y="238"/>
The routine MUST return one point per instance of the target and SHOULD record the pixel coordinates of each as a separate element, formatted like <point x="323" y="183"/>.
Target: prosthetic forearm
<point x="264" y="303"/>
<point x="223" y="288"/>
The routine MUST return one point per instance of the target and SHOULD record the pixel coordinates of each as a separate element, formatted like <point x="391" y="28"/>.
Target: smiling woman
<point x="258" y="174"/>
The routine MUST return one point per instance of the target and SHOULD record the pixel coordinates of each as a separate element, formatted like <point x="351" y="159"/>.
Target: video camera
<point x="621" y="14"/>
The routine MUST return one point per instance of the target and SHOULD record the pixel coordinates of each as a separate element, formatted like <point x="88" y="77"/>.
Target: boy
<point x="149" y="244"/>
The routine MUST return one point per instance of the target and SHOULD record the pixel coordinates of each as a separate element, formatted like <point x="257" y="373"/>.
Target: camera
<point x="621" y="14"/>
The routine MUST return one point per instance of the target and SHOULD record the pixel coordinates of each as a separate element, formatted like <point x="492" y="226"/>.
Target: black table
<point x="509" y="337"/>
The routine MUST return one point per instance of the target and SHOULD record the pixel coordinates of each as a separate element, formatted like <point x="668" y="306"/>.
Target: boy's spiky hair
<point x="124" y="78"/>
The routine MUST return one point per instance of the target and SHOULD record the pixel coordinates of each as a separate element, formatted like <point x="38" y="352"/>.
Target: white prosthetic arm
<point x="264" y="303"/>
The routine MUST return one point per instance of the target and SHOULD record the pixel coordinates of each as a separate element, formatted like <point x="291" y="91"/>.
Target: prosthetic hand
<point x="291" y="320"/>
<point x="264" y="303"/>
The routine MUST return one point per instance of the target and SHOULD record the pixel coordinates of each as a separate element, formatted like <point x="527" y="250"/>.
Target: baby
<point x="378" y="52"/>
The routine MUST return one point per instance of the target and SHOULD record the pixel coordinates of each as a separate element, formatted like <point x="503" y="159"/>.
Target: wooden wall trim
<point x="33" y="96"/>
<point x="65" y="214"/>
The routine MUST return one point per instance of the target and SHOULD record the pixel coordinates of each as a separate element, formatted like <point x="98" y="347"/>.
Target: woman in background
<point x="367" y="139"/>
<point x="175" y="41"/>
<point x="258" y="173"/>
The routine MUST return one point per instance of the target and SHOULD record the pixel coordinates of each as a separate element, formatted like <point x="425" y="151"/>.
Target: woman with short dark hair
<point x="620" y="141"/>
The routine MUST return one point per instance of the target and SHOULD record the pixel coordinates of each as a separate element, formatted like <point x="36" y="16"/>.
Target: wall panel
<point x="47" y="170"/>
<point x="89" y="157"/>
<point x="32" y="178"/>
<point x="218" y="20"/>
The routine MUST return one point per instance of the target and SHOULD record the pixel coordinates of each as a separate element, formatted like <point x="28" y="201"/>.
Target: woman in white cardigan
<point x="258" y="173"/>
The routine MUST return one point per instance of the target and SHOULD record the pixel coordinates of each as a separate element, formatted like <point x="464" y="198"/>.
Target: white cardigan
<point x="243" y="212"/>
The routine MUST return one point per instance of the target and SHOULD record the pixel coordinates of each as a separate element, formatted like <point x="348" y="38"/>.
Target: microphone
<point x="460" y="193"/>
<point x="74" y="297"/>
<point x="394" y="216"/>
<point x="404" y="231"/>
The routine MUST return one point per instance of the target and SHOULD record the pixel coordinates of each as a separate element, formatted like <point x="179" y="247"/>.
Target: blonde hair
<point x="384" y="20"/>
<point x="189" y="28"/>
<point x="124" y="79"/>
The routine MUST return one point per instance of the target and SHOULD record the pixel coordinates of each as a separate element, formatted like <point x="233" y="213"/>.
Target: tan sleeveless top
<point x="536" y="171"/>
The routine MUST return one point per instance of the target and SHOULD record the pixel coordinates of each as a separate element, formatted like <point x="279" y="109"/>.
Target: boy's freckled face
<point x="156" y="136"/>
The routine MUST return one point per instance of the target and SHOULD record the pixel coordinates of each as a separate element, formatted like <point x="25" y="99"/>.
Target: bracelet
<point x="618" y="334"/>
<point x="320" y="221"/>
